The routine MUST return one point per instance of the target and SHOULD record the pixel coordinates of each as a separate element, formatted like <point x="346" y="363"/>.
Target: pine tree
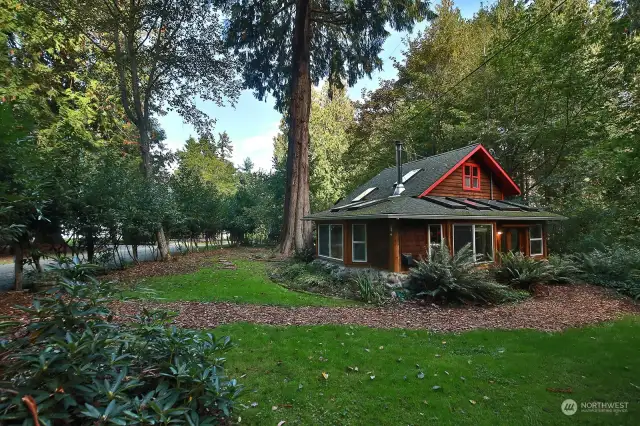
<point x="224" y="147"/>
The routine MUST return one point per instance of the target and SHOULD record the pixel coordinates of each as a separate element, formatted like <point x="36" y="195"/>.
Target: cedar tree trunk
<point x="296" y="233"/>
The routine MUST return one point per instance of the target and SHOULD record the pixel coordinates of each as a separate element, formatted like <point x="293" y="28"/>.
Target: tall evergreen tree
<point x="287" y="46"/>
<point x="224" y="147"/>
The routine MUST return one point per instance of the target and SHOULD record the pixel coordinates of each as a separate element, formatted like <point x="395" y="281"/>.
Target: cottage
<point x="458" y="197"/>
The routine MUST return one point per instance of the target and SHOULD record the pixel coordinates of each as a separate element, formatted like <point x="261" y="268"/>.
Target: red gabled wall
<point x="451" y="186"/>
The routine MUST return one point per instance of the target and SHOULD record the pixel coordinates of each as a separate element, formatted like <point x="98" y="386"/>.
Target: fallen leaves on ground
<point x="563" y="307"/>
<point x="10" y="300"/>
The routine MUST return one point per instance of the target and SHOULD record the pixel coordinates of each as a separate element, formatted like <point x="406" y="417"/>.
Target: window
<point x="471" y="177"/>
<point x="359" y="242"/>
<point x="435" y="238"/>
<point x="330" y="241"/>
<point x="535" y="240"/>
<point x="479" y="237"/>
<point x="323" y="240"/>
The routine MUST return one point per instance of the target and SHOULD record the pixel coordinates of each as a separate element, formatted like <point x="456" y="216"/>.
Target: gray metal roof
<point x="435" y="208"/>
<point x="433" y="168"/>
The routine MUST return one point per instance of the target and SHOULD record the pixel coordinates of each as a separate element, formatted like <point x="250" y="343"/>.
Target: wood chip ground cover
<point x="558" y="307"/>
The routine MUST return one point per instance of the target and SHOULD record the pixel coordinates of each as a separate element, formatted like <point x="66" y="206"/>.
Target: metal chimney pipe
<point x="399" y="186"/>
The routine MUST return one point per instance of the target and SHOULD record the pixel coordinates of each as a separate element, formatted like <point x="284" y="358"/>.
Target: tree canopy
<point x="286" y="47"/>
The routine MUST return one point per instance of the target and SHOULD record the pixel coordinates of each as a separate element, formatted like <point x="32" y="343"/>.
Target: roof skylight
<point x="408" y="175"/>
<point x="364" y="194"/>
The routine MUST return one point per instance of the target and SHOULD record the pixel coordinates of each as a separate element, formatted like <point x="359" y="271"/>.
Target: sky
<point x="252" y="124"/>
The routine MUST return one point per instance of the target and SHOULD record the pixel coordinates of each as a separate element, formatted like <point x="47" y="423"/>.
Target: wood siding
<point x="388" y="239"/>
<point x="451" y="186"/>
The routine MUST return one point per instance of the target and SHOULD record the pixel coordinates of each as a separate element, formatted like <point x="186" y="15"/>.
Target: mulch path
<point x="556" y="308"/>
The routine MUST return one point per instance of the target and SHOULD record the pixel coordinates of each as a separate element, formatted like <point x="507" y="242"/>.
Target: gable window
<point x="535" y="240"/>
<point x="435" y="239"/>
<point x="330" y="241"/>
<point x="471" y="177"/>
<point x="359" y="242"/>
<point x="479" y="238"/>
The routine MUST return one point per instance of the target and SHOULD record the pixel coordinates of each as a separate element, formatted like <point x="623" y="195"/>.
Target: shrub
<point x="521" y="271"/>
<point x="562" y="270"/>
<point x="305" y="255"/>
<point x="310" y="277"/>
<point x="457" y="279"/>
<point x="74" y="270"/>
<point x="616" y="267"/>
<point x="72" y="364"/>
<point x="370" y="287"/>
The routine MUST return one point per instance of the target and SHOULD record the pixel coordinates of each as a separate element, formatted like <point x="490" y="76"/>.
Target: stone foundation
<point x="392" y="280"/>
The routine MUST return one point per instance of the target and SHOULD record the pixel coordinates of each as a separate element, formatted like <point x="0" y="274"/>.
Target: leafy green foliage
<point x="305" y="276"/>
<point x="370" y="287"/>
<point x="562" y="270"/>
<point x="520" y="271"/>
<point x="457" y="279"/>
<point x="305" y="255"/>
<point x="77" y="271"/>
<point x="549" y="106"/>
<point x="364" y="285"/>
<point x="345" y="37"/>
<point x="616" y="267"/>
<point x="78" y="366"/>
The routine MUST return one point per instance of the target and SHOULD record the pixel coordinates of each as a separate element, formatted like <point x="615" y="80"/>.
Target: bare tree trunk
<point x="296" y="233"/>
<point x="17" y="267"/>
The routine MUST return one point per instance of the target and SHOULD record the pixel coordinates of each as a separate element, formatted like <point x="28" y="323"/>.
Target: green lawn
<point x="506" y="374"/>
<point x="248" y="283"/>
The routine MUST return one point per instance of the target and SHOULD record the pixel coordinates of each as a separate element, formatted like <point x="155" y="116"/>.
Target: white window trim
<point x="354" y="242"/>
<point x="429" y="237"/>
<point x="342" y="243"/>
<point x="473" y="240"/>
<point x="531" y="253"/>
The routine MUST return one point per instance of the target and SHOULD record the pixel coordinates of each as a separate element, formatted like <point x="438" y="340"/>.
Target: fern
<point x="456" y="279"/>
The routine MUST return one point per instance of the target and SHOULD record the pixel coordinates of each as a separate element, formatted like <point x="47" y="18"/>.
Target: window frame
<point x="473" y="240"/>
<point x="429" y="237"/>
<point x="329" y="234"/>
<point x="472" y="166"/>
<point x="354" y="242"/>
<point x="541" y="239"/>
